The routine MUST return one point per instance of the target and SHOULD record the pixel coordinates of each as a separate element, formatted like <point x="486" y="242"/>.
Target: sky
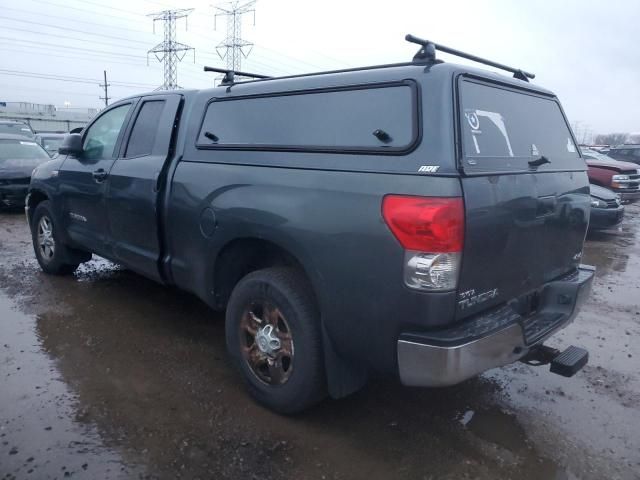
<point x="585" y="51"/>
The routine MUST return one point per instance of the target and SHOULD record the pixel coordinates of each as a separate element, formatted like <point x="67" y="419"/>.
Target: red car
<point x="621" y="177"/>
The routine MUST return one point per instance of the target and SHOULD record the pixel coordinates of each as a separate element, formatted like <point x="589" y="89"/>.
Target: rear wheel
<point x="50" y="252"/>
<point x="273" y="337"/>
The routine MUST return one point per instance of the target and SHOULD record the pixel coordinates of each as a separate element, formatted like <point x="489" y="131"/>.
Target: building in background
<point x="47" y="118"/>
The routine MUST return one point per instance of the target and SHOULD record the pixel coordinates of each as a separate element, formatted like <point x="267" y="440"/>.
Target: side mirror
<point x="71" y="145"/>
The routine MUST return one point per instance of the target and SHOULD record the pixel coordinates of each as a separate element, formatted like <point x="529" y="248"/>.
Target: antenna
<point x="169" y="51"/>
<point x="233" y="47"/>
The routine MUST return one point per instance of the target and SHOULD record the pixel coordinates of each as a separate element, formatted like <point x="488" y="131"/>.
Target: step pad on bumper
<point x="569" y="362"/>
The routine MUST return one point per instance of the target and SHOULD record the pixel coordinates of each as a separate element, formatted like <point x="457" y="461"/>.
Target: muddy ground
<point x="107" y="375"/>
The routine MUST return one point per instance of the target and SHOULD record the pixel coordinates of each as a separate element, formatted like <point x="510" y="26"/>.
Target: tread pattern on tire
<point x="56" y="266"/>
<point x="308" y="389"/>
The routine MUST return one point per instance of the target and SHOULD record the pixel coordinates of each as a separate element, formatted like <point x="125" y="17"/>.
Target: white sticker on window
<point x="475" y="143"/>
<point x="25" y="129"/>
<point x="498" y="120"/>
<point x="534" y="150"/>
<point x="571" y="148"/>
<point x="28" y="143"/>
<point x="473" y="120"/>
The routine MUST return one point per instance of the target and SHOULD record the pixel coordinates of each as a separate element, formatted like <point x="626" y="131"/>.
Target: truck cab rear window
<point x="505" y="129"/>
<point x="380" y="118"/>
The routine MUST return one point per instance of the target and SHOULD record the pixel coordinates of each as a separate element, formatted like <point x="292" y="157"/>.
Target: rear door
<point x="526" y="193"/>
<point x="134" y="184"/>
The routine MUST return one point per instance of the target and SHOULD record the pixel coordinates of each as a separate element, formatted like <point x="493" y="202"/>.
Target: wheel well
<point x="35" y="198"/>
<point x="243" y="256"/>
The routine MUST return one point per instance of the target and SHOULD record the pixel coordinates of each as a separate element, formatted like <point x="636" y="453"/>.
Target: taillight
<point x="431" y="230"/>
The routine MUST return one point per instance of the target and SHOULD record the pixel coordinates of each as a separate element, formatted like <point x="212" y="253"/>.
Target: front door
<point x="83" y="180"/>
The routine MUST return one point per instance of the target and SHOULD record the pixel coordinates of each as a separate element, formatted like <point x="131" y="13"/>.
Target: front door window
<point x="101" y="138"/>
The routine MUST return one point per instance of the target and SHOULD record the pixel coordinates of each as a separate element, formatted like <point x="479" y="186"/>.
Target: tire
<point x="280" y="298"/>
<point x="50" y="252"/>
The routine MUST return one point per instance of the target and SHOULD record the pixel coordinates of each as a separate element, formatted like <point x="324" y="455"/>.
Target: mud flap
<point x="343" y="377"/>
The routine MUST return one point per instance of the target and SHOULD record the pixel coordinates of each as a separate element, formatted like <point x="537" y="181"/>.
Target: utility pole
<point x="169" y="51"/>
<point x="106" y="86"/>
<point x="233" y="47"/>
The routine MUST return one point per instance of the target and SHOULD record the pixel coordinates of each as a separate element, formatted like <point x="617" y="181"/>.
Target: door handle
<point x="99" y="175"/>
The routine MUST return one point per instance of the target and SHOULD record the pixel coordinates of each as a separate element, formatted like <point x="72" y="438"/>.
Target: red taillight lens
<point x="426" y="224"/>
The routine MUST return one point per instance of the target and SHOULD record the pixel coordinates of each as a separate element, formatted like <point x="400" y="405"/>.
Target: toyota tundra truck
<point x="420" y="220"/>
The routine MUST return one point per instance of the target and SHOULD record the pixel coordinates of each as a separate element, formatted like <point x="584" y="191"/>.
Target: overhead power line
<point x="68" y="29"/>
<point x="67" y="78"/>
<point x="294" y="64"/>
<point x="170" y="52"/>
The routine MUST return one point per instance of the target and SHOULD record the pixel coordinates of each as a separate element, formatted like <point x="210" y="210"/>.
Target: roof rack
<point x="427" y="53"/>
<point x="229" y="75"/>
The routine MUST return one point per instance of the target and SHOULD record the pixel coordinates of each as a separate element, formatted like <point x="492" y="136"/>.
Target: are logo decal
<point x="429" y="168"/>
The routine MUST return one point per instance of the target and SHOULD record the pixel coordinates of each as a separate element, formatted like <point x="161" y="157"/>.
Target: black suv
<point x="627" y="153"/>
<point x="422" y="219"/>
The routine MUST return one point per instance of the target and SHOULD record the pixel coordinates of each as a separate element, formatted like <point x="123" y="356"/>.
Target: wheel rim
<point x="46" y="242"/>
<point x="267" y="343"/>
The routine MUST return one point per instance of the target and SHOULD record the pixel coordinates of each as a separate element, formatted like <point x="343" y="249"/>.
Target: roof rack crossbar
<point x="428" y="53"/>
<point x="229" y="75"/>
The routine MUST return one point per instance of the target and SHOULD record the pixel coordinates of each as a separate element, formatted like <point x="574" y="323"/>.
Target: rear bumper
<point x="490" y="340"/>
<point x="13" y="195"/>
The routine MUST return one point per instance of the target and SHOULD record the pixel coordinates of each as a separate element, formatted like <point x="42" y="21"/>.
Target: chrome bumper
<point x="436" y="361"/>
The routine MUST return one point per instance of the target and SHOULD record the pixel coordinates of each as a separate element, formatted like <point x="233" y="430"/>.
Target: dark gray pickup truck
<point x="421" y="220"/>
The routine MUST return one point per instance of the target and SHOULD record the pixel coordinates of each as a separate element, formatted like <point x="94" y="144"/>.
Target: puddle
<point x="38" y="434"/>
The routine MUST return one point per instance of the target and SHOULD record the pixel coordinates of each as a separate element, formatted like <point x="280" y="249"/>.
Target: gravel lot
<point x="107" y="375"/>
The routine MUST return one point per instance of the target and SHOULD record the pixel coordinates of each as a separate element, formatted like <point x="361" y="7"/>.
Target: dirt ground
<point x="107" y="375"/>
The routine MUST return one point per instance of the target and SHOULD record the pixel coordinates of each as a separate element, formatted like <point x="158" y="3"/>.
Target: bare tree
<point x="611" y="138"/>
<point x="582" y="132"/>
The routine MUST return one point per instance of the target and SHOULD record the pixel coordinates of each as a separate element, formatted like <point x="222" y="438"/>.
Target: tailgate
<point x="526" y="194"/>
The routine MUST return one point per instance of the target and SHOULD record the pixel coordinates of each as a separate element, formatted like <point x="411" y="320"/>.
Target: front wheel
<point x="273" y="337"/>
<point x="50" y="252"/>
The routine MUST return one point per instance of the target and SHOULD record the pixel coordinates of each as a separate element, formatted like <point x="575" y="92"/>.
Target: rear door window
<point x="504" y="129"/>
<point x="143" y="134"/>
<point x="380" y="118"/>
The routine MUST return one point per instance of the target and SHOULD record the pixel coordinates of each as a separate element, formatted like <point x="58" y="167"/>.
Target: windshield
<point x="20" y="153"/>
<point x="505" y="129"/>
<point x="17" y="129"/>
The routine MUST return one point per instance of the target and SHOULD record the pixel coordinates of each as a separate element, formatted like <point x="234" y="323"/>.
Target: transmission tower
<point x="233" y="47"/>
<point x="170" y="52"/>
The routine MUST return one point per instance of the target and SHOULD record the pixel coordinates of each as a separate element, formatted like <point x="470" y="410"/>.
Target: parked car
<point x="626" y="153"/>
<point x="18" y="157"/>
<point x="15" y="127"/>
<point x="334" y="218"/>
<point x="621" y="177"/>
<point x="598" y="148"/>
<point x="51" y="142"/>
<point x="607" y="210"/>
